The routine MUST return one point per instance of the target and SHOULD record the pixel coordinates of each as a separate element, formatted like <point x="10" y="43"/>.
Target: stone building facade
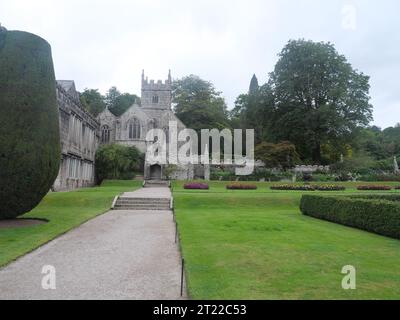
<point x="79" y="140"/>
<point x="132" y="126"/>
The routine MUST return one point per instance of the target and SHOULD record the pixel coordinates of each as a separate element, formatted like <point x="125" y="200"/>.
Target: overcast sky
<point x="100" y="44"/>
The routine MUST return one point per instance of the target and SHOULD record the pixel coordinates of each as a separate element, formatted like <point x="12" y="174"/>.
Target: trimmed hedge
<point x="388" y="196"/>
<point x="379" y="214"/>
<point x="29" y="124"/>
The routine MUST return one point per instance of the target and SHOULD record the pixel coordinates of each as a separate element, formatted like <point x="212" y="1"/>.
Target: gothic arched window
<point x="105" y="134"/>
<point x="134" y="129"/>
<point x="155" y="99"/>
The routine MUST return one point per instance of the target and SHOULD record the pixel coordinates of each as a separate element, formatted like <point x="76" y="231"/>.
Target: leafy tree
<point x="253" y="111"/>
<point x="111" y="97"/>
<point x="280" y="155"/>
<point x="391" y="138"/>
<point x="29" y="124"/>
<point x="93" y="101"/>
<point x="318" y="97"/>
<point x="332" y="152"/>
<point x="115" y="101"/>
<point x="369" y="140"/>
<point x="198" y="104"/>
<point x="114" y="161"/>
<point x="314" y="98"/>
<point x="123" y="102"/>
<point x="359" y="163"/>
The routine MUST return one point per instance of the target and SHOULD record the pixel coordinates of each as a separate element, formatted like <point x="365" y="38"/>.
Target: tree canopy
<point x="198" y="104"/>
<point x="114" y="161"/>
<point x="118" y="102"/>
<point x="313" y="98"/>
<point x="280" y="155"/>
<point x="114" y="100"/>
<point x="93" y="101"/>
<point x="318" y="97"/>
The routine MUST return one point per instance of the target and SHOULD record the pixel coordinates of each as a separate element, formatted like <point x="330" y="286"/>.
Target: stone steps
<point x="164" y="208"/>
<point x="156" y="183"/>
<point x="122" y="198"/>
<point x="130" y="203"/>
<point x="143" y="202"/>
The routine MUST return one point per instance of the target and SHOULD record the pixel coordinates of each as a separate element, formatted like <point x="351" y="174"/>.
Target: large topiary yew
<point x="29" y="127"/>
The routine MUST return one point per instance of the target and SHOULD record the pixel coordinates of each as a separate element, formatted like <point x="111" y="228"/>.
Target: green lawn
<point x="64" y="210"/>
<point x="257" y="245"/>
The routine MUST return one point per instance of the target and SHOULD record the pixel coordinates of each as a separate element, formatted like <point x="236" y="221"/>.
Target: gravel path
<point x="122" y="254"/>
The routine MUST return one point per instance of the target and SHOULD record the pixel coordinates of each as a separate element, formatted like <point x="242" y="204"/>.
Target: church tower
<point x="156" y="95"/>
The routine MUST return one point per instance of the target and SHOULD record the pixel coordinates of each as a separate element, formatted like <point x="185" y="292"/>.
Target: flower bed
<point x="308" y="187"/>
<point x="397" y="188"/>
<point x="330" y="187"/>
<point x="241" y="186"/>
<point x="196" y="186"/>
<point x="291" y="187"/>
<point x="374" y="187"/>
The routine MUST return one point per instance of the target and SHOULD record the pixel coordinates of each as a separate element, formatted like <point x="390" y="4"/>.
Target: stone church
<point x="131" y="127"/>
<point x="81" y="133"/>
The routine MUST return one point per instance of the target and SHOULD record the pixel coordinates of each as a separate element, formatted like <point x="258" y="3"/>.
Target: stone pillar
<point x="207" y="172"/>
<point x="395" y="165"/>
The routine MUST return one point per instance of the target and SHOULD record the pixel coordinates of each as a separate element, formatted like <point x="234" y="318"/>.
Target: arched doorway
<point x="155" y="172"/>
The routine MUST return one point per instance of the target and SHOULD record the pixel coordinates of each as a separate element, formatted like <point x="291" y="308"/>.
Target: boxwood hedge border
<point x="379" y="214"/>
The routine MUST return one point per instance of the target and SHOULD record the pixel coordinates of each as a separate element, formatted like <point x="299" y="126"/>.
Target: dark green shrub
<point x="307" y="177"/>
<point x="29" y="129"/>
<point x="380" y="177"/>
<point x="114" y="161"/>
<point x="375" y="214"/>
<point x="388" y="196"/>
<point x="322" y="177"/>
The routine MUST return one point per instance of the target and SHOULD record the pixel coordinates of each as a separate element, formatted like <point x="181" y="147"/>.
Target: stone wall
<point x="310" y="168"/>
<point x="79" y="140"/>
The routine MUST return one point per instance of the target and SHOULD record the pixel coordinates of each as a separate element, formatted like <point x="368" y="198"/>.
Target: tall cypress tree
<point x="253" y="85"/>
<point x="29" y="129"/>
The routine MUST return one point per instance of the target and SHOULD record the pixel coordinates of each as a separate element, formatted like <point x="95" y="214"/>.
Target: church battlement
<point x="156" y="85"/>
<point x="156" y="95"/>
